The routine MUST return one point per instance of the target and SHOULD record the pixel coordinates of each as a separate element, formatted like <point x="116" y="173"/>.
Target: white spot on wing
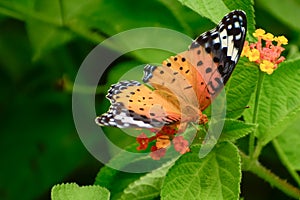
<point x="127" y="121"/>
<point x="230" y="45"/>
<point x="236" y="24"/>
<point x="224" y="41"/>
<point x="238" y="37"/>
<point x="234" y="54"/>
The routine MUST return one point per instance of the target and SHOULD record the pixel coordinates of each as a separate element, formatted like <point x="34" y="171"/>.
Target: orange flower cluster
<point x="163" y="140"/>
<point x="264" y="52"/>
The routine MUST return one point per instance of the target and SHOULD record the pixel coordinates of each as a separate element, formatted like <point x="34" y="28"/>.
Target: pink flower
<point x="181" y="145"/>
<point x="156" y="153"/>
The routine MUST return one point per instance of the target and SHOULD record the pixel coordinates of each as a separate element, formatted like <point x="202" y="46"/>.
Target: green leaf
<point x="216" y="176"/>
<point x="213" y="10"/>
<point x="71" y="191"/>
<point x="289" y="142"/>
<point x="116" y="181"/>
<point x="278" y="101"/>
<point x="149" y="185"/>
<point x="235" y="129"/>
<point x="240" y="87"/>
<point x="192" y="22"/>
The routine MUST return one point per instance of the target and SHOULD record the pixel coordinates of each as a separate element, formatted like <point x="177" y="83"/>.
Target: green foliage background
<point x="42" y="45"/>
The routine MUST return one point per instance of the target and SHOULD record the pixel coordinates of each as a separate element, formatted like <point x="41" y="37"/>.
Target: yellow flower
<point x="162" y="141"/>
<point x="246" y="49"/>
<point x="254" y="55"/>
<point x="281" y="40"/>
<point x="259" y="32"/>
<point x="267" y="66"/>
<point x="264" y="52"/>
<point x="268" y="36"/>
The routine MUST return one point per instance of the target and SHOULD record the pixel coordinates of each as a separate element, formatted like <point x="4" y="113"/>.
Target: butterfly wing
<point x="136" y="105"/>
<point x="206" y="66"/>
<point x="215" y="54"/>
<point x="191" y="80"/>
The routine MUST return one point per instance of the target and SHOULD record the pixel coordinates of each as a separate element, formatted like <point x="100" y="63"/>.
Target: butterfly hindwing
<point x="136" y="105"/>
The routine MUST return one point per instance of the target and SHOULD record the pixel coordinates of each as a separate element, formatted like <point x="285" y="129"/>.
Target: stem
<point x="255" y="167"/>
<point x="257" y="150"/>
<point x="257" y="95"/>
<point x="285" y="161"/>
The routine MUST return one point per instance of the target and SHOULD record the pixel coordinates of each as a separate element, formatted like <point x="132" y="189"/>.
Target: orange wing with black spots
<point x="184" y="85"/>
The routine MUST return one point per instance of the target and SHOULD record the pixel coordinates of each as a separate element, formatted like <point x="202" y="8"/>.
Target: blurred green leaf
<point x="286" y="11"/>
<point x="39" y="145"/>
<point x="37" y="125"/>
<point x="45" y="37"/>
<point x="216" y="176"/>
<point x="71" y="191"/>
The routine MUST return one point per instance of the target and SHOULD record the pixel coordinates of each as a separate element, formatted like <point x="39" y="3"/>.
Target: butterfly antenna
<point x="234" y="110"/>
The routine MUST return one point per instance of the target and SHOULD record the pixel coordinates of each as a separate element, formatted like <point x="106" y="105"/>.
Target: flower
<point x="246" y="50"/>
<point x="254" y="56"/>
<point x="281" y="40"/>
<point x="143" y="140"/>
<point x="181" y="145"/>
<point x="259" y="33"/>
<point x="162" y="141"/>
<point x="266" y="54"/>
<point x="268" y="37"/>
<point x="267" y="66"/>
<point x="156" y="153"/>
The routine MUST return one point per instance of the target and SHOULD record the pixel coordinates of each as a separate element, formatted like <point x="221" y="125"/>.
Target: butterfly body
<point x="185" y="84"/>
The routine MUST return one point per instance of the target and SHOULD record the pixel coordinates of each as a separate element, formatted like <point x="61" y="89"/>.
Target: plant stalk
<point x="255" y="167"/>
<point x="255" y="113"/>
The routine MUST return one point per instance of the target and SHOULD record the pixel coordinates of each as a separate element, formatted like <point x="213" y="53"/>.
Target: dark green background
<point x="41" y="49"/>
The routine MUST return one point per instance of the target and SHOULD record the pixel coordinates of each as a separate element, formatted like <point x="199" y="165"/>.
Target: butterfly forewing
<point x="215" y="53"/>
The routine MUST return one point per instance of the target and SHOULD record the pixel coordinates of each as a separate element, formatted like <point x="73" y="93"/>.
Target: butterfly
<point x="184" y="85"/>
